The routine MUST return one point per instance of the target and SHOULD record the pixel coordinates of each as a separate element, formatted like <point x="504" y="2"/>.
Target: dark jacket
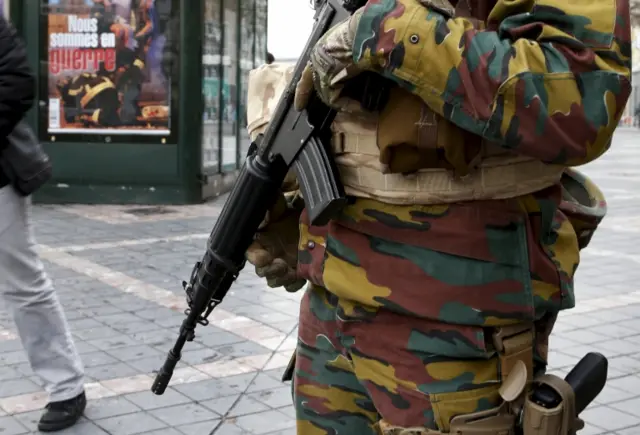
<point x="17" y="84"/>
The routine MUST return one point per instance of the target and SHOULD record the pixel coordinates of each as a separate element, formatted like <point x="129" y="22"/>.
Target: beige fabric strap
<point x="428" y="129"/>
<point x="497" y="177"/>
<point x="514" y="343"/>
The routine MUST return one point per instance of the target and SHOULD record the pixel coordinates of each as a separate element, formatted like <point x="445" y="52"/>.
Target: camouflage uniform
<point x="398" y="324"/>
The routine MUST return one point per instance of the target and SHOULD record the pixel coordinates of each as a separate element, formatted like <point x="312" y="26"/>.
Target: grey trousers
<point x="31" y="298"/>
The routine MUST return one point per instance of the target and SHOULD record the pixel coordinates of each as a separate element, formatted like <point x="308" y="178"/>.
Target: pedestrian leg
<point x="31" y="298"/>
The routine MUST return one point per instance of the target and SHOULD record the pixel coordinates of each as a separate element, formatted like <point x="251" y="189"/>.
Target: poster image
<point x="104" y="68"/>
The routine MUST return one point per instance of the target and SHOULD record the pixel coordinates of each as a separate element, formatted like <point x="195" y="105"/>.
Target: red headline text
<point x="81" y="59"/>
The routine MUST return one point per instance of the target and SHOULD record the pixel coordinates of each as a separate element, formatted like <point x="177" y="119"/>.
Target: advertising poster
<point x="104" y="68"/>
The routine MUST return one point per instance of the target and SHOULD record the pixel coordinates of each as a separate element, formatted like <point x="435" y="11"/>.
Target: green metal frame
<point x="129" y="173"/>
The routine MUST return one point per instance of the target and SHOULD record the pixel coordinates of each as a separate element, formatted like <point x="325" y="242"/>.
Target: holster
<point x="561" y="420"/>
<point x="514" y="347"/>
<point x="518" y="413"/>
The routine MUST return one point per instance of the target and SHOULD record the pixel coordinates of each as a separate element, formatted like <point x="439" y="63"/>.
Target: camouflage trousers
<point x="359" y="368"/>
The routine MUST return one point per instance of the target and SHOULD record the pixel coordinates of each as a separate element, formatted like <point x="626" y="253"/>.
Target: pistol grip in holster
<point x="514" y="345"/>
<point x="560" y="420"/>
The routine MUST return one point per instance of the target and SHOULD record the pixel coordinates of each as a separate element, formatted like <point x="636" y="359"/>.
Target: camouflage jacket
<point x="546" y="78"/>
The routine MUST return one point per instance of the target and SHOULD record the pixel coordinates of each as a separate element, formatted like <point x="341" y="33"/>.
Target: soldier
<point x="435" y="291"/>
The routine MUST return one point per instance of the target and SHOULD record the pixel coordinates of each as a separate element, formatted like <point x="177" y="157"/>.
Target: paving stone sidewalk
<point x="118" y="272"/>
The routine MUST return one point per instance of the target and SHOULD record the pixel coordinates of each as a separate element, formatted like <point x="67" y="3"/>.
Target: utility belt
<point x="518" y="414"/>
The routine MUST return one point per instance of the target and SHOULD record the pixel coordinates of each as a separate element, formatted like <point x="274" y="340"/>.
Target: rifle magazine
<point x="319" y="182"/>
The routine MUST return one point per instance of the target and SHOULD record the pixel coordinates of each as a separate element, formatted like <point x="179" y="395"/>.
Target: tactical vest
<point x="395" y="156"/>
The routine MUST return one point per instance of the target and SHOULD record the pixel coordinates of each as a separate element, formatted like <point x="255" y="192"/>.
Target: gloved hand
<point x="274" y="252"/>
<point x="330" y="65"/>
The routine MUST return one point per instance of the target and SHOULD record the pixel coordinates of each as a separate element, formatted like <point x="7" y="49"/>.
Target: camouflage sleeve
<point x="549" y="81"/>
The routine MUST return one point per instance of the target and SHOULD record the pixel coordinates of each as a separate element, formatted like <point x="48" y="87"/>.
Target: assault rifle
<point x="292" y="139"/>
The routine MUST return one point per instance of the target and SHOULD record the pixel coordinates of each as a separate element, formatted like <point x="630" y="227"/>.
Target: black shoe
<point x="61" y="415"/>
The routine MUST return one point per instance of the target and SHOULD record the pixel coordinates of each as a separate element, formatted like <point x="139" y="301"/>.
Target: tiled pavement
<point x="118" y="274"/>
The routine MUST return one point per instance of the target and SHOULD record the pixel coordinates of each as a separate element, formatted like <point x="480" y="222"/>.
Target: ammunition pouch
<point x="410" y="137"/>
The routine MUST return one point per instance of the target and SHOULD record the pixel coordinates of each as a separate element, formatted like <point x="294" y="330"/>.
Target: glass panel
<point x="261" y="31"/>
<point x="230" y="86"/>
<point x="247" y="45"/>
<point x="211" y="73"/>
<point x="107" y="70"/>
